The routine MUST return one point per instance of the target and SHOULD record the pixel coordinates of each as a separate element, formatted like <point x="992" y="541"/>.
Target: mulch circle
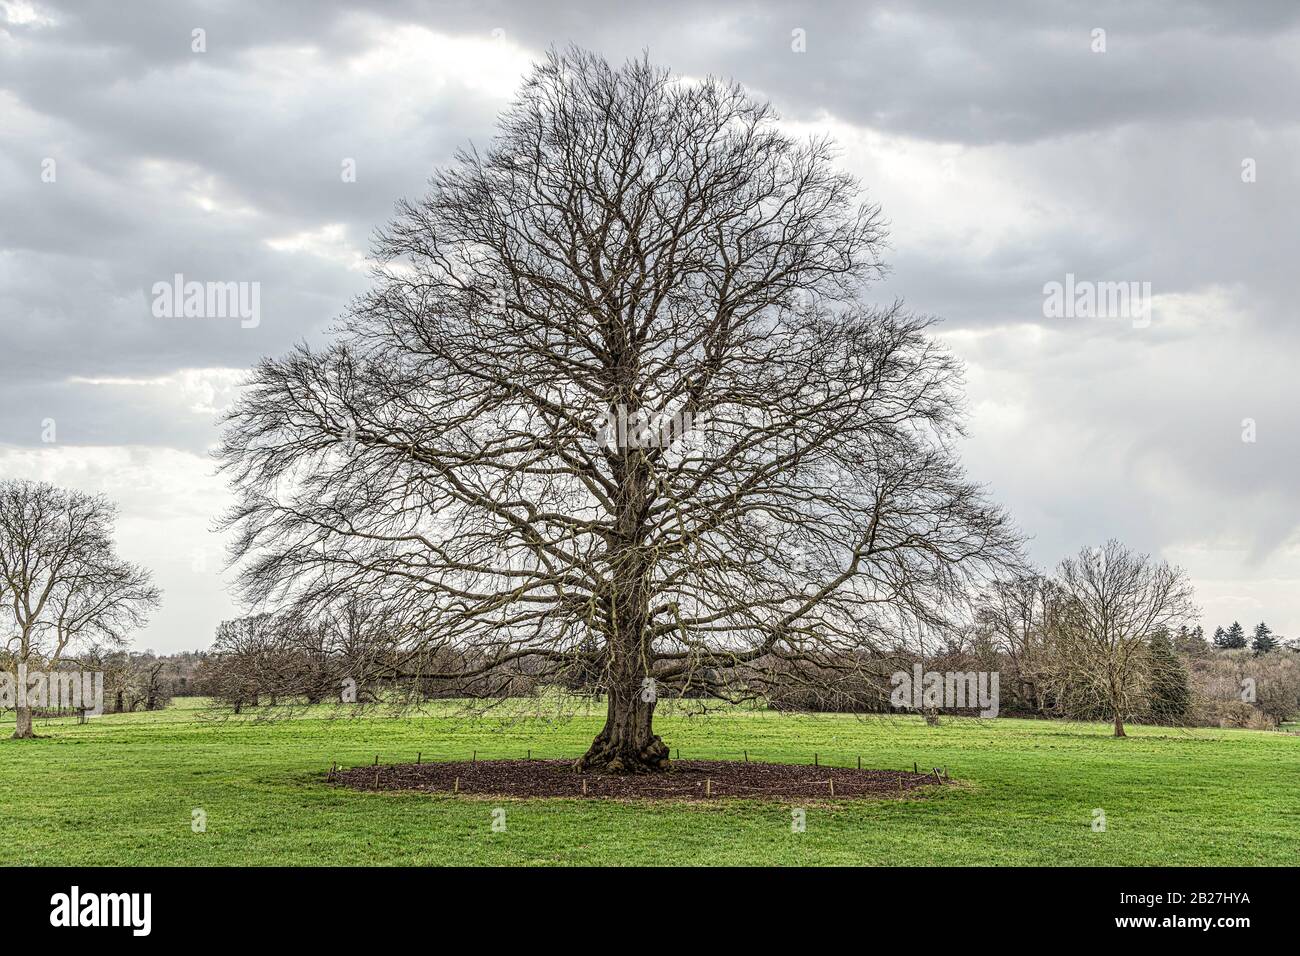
<point x="685" y="780"/>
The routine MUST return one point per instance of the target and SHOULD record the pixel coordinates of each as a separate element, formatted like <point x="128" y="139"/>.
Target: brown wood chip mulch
<point x="686" y="780"/>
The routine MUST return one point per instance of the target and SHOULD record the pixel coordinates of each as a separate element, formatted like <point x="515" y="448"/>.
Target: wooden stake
<point x="455" y="787"/>
<point x="376" y="778"/>
<point x="708" y="786"/>
<point x="832" y="783"/>
<point x="584" y="786"/>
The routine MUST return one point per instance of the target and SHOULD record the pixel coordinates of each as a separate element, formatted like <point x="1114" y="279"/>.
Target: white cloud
<point x="329" y="242"/>
<point x="22" y="13"/>
<point x="200" y="391"/>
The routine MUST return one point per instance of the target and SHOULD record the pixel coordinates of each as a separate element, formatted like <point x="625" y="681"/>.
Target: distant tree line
<point x="1233" y="638"/>
<point x="1105" y="637"/>
<point x="132" y="680"/>
<point x="352" y="653"/>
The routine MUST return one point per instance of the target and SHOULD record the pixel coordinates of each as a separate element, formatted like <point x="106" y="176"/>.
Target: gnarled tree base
<point x="612" y="756"/>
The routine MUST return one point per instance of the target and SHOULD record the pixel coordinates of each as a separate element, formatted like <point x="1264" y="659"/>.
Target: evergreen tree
<point x="1264" y="639"/>
<point x="1233" y="639"/>
<point x="1190" y="641"/>
<point x="1171" y="695"/>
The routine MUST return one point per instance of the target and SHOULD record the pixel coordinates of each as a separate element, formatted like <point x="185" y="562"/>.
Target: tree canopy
<point x="638" y="250"/>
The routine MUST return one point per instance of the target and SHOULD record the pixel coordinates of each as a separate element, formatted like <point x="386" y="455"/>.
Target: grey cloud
<point x="1115" y="166"/>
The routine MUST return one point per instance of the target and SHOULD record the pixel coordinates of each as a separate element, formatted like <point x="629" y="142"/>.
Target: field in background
<point x="123" y="789"/>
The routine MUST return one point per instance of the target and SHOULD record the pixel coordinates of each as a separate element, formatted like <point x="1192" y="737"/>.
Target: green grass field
<point x="122" y="789"/>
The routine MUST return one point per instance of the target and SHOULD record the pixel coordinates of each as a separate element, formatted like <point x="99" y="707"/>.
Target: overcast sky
<point x="1009" y="143"/>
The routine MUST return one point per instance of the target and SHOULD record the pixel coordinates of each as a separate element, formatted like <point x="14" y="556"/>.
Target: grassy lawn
<point x="122" y="789"/>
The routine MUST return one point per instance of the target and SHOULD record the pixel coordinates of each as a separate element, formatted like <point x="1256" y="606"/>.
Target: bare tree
<point x="341" y="655"/>
<point x="65" y="586"/>
<point x="1114" y="602"/>
<point x="614" y="380"/>
<point x="358" y="643"/>
<point x="1019" y="614"/>
<point x="245" y="661"/>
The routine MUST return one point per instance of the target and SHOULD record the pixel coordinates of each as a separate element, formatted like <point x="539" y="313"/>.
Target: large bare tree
<point x="1113" y="601"/>
<point x="64" y="586"/>
<point x="614" y="402"/>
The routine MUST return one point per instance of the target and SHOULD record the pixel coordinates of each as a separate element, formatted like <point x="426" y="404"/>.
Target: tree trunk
<point x="23" y="729"/>
<point x="628" y="743"/>
<point x="1119" y="726"/>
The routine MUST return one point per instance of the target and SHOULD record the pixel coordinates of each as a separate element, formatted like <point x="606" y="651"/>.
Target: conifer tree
<point x="1264" y="639"/>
